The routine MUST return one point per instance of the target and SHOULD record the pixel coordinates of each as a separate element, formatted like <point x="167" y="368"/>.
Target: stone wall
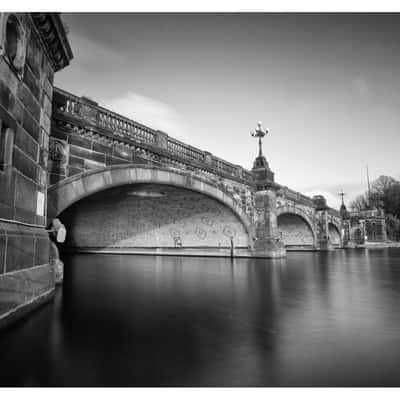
<point x="26" y="87"/>
<point x="151" y="216"/>
<point x="72" y="153"/>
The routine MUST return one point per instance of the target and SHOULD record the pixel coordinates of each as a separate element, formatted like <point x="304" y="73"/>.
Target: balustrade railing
<point x="123" y="127"/>
<point x="184" y="150"/>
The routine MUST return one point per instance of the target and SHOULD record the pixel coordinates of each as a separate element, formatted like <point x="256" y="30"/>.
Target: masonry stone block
<point x="120" y="176"/>
<point x="144" y="175"/>
<point x="93" y="183"/>
<point x="25" y="194"/>
<point x="45" y="121"/>
<point x="63" y="198"/>
<point x="34" y="54"/>
<point x="20" y="252"/>
<point x="133" y="174"/>
<point x="25" y="143"/>
<point x="42" y="246"/>
<point x="80" y="142"/>
<point x="163" y="176"/>
<point x="31" y="126"/>
<point x="8" y="77"/>
<point x="76" y="162"/>
<point x="101" y="148"/>
<point x="78" y="188"/>
<point x="25" y="165"/>
<point x="32" y="83"/>
<point x="178" y="179"/>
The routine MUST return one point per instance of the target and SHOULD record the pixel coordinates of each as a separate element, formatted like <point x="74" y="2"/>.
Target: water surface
<point x="314" y="319"/>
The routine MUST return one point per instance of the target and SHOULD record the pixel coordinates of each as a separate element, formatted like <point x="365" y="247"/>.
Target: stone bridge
<point x="92" y="149"/>
<point x="117" y="185"/>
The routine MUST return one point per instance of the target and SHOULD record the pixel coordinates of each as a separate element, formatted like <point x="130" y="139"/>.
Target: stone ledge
<point x="23" y="310"/>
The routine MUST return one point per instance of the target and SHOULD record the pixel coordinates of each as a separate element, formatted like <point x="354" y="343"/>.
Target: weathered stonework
<point x="296" y="232"/>
<point x="29" y="56"/>
<point x="57" y="149"/>
<point x="150" y="217"/>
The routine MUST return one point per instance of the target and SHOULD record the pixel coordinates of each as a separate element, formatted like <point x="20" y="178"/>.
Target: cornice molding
<point x="52" y="31"/>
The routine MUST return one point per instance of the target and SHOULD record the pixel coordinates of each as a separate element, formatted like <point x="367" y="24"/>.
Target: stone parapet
<point x="108" y="135"/>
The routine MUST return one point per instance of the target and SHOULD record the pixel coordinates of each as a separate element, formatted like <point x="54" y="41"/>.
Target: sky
<point x="327" y="86"/>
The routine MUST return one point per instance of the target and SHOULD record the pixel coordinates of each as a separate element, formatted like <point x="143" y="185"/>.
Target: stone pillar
<point x="162" y="139"/>
<point x="321" y="211"/>
<point x="207" y="157"/>
<point x="323" y="240"/>
<point x="266" y="241"/>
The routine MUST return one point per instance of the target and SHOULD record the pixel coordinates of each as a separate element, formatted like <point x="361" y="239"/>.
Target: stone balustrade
<point x="145" y="139"/>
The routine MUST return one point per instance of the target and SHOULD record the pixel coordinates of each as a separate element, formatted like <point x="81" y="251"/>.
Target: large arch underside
<point x="160" y="212"/>
<point x="296" y="233"/>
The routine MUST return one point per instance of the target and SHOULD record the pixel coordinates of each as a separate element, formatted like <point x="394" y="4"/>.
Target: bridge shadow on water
<point x="314" y="319"/>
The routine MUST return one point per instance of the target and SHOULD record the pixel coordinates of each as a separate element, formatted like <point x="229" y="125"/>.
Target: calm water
<point x="314" y="319"/>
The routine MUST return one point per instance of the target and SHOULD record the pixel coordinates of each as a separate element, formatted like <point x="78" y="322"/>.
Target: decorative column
<point x="267" y="242"/>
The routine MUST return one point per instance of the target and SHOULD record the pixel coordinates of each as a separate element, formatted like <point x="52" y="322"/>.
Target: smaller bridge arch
<point x="335" y="232"/>
<point x="297" y="227"/>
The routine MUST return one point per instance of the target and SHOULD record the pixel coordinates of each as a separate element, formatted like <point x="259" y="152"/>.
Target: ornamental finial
<point x="260" y="133"/>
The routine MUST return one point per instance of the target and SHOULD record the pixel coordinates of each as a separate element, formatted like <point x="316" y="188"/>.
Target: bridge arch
<point x="66" y="193"/>
<point x="296" y="227"/>
<point x="335" y="235"/>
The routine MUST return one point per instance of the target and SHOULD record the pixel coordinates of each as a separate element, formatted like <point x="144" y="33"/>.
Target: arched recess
<point x="335" y="236"/>
<point x="69" y="191"/>
<point x="296" y="228"/>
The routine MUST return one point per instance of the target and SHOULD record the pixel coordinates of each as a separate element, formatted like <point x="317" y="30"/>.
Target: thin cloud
<point x="89" y="51"/>
<point x="150" y="112"/>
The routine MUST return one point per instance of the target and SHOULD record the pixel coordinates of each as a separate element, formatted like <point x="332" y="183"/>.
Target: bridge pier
<point x="267" y="243"/>
<point x="322" y="226"/>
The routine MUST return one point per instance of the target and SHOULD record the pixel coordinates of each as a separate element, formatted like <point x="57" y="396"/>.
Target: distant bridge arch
<point x="335" y="235"/>
<point x="296" y="227"/>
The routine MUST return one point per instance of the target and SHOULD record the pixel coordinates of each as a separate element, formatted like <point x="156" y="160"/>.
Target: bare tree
<point x="360" y="202"/>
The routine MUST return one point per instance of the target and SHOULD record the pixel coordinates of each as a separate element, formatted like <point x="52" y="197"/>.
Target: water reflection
<point x="313" y="319"/>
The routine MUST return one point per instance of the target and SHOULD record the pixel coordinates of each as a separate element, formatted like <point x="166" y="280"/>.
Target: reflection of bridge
<point x="93" y="149"/>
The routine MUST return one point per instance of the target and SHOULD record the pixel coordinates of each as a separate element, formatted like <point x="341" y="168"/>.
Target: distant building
<point x="363" y="227"/>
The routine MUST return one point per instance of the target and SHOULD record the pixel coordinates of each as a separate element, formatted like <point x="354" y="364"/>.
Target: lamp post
<point x="260" y="133"/>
